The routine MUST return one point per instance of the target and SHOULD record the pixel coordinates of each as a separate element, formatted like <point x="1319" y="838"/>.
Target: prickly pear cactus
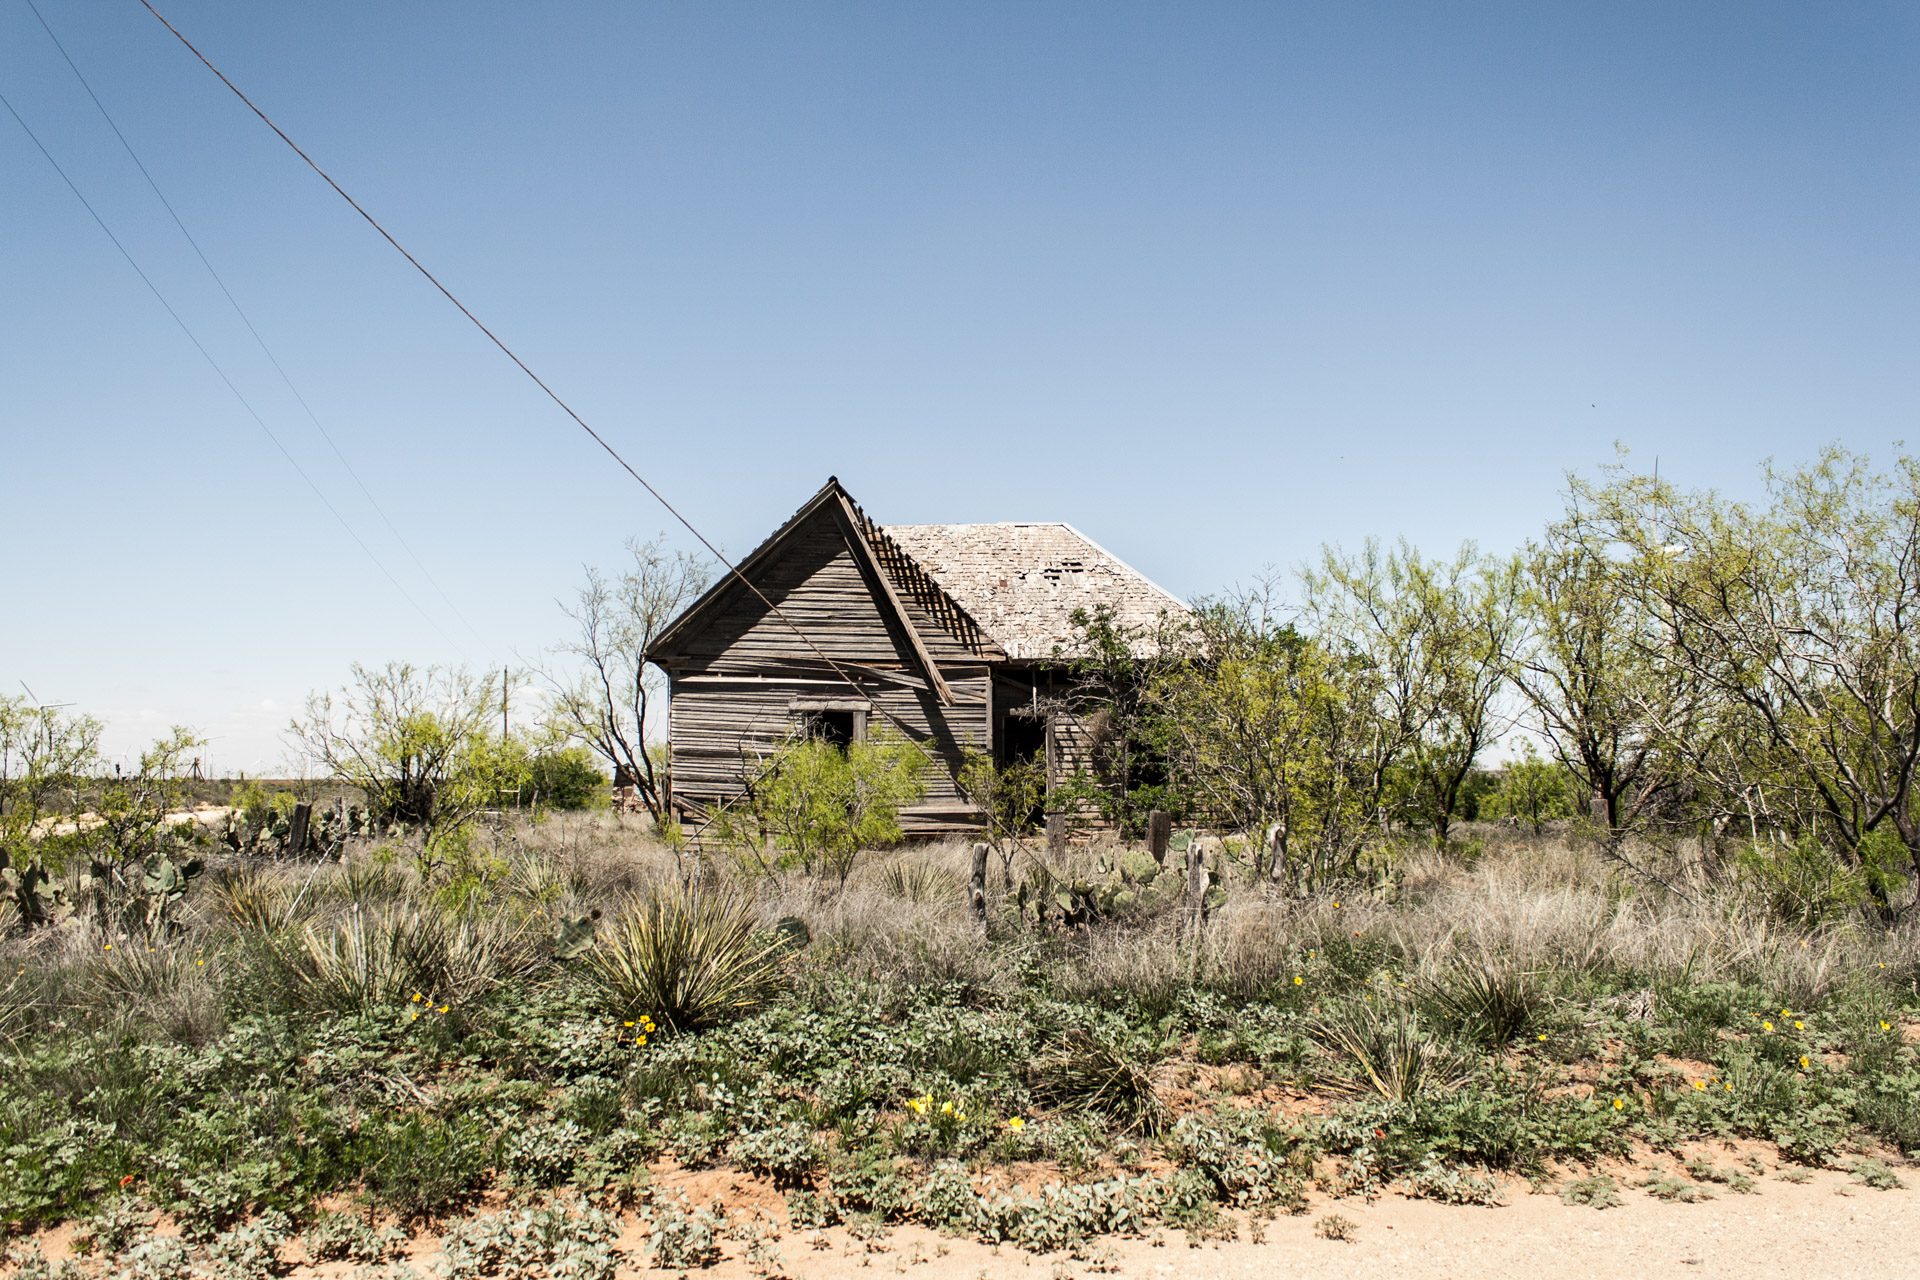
<point x="162" y="884"/>
<point x="573" y="938"/>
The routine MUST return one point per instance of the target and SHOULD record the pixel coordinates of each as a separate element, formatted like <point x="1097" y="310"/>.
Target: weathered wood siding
<point x="723" y="731"/>
<point x="735" y="680"/>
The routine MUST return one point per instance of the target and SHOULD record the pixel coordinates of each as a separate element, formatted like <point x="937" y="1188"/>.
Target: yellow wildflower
<point x="1799" y="1026"/>
<point x="1699" y="1084"/>
<point x="1804" y="1064"/>
<point x="639" y="1039"/>
<point x="1619" y="1104"/>
<point x="1786" y="1013"/>
<point x="1884" y="1026"/>
<point x="416" y="997"/>
<point x="1016" y="1124"/>
<point x="443" y="1008"/>
<point x="626" y="1024"/>
<point x="1297" y="980"/>
<point x="1766" y="1026"/>
<point x="946" y="1108"/>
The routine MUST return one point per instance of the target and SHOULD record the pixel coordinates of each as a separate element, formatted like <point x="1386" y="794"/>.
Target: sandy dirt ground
<point x="1826" y="1227"/>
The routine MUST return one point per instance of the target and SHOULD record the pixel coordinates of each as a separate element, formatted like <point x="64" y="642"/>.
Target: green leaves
<point x="821" y="803"/>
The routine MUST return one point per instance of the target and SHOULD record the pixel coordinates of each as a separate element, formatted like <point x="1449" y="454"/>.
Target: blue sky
<point x="1216" y="283"/>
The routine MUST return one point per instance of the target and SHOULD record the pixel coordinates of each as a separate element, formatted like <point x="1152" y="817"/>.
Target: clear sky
<point x="1214" y="282"/>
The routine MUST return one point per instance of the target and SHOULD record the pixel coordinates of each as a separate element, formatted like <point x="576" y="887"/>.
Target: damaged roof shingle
<point x="1022" y="582"/>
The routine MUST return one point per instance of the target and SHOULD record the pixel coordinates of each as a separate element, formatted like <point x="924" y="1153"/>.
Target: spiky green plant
<point x="254" y="902"/>
<point x="1488" y="999"/>
<point x="918" y="882"/>
<point x="1088" y="1070"/>
<point x="386" y="956"/>
<point x="1382" y="1048"/>
<point x="686" y="956"/>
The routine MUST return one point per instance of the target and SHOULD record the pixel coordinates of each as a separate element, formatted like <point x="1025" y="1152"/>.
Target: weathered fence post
<point x="297" y="835"/>
<point x="1196" y="883"/>
<point x="1277" y="852"/>
<point x="977" y="886"/>
<point x="1159" y="834"/>
<point x="1056" y="834"/>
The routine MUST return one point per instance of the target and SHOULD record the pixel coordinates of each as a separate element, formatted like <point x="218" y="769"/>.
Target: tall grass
<point x="1490" y="937"/>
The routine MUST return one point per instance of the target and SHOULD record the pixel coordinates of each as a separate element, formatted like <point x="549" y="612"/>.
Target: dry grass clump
<point x="1086" y="1070"/>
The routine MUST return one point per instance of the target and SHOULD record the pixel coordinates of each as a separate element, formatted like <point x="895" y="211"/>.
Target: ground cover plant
<point x="1529" y="1012"/>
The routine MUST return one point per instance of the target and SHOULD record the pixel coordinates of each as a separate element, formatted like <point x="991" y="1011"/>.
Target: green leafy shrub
<point x="1596" y="1192"/>
<point x="1435" y="1181"/>
<point x="1060" y="1216"/>
<point x="1875" y="1174"/>
<point x="1889" y="1105"/>
<point x="153" y="1258"/>
<point x="1247" y="1169"/>
<point x="530" y="1244"/>
<point x="347" y="1237"/>
<point x="250" y="1251"/>
<point x="688" y="957"/>
<point x="945" y="1199"/>
<point x="426" y="1165"/>
<point x="823" y="802"/>
<point x="1809" y="885"/>
<point x="681" y="1241"/>
<point x="564" y="779"/>
<point x="867" y="1180"/>
<point x="542" y="1152"/>
<point x="785" y="1153"/>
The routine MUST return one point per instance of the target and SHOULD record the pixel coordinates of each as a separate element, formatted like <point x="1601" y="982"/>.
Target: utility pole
<point x="503" y="704"/>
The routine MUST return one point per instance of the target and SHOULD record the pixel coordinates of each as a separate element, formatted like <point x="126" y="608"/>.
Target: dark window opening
<point x="832" y="727"/>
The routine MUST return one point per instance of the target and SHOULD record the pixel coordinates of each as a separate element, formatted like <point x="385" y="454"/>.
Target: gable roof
<point x="1021" y="582"/>
<point x="1017" y="583"/>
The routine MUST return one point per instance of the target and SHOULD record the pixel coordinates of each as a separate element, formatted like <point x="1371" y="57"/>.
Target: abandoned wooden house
<point x="954" y="634"/>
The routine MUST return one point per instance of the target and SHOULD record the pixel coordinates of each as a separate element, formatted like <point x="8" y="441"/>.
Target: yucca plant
<point x="918" y="882"/>
<point x="686" y="957"/>
<point x="1383" y="1049"/>
<point x="253" y="902"/>
<point x="1489" y="1000"/>
<point x="375" y="957"/>
<point x="1093" y="1071"/>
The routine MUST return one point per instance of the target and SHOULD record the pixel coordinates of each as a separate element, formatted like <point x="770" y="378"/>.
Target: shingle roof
<point x="1022" y="582"/>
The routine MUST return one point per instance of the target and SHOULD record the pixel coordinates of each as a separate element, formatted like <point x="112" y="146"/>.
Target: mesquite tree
<point x="1801" y="620"/>
<point x="606" y="695"/>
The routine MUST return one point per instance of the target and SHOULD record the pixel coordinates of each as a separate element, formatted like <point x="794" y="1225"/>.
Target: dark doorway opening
<point x="1023" y="740"/>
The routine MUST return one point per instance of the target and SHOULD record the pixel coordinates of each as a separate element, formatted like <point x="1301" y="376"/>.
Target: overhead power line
<point x="248" y="322"/>
<point x="222" y="373"/>
<point x="565" y="408"/>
